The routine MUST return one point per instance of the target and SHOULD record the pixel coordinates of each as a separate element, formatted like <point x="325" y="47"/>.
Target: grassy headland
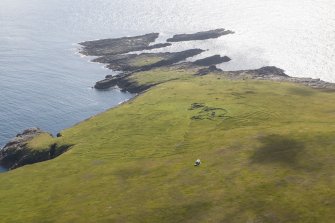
<point x="267" y="150"/>
<point x="265" y="140"/>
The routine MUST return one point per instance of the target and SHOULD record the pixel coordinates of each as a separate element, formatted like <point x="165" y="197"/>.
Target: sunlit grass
<point x="41" y="142"/>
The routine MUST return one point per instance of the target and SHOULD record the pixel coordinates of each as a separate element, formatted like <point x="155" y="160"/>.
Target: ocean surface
<point x="44" y="83"/>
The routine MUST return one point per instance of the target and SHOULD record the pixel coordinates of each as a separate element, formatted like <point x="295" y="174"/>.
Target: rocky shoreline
<point x="112" y="52"/>
<point x="124" y="82"/>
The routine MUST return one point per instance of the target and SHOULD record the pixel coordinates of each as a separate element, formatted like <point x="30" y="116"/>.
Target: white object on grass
<point x="197" y="162"/>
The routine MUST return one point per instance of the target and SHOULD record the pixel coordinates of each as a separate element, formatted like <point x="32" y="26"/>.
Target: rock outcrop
<point x="122" y="82"/>
<point x="269" y="71"/>
<point x="121" y="45"/>
<point x="207" y="70"/>
<point x="212" y="60"/>
<point x="211" y="34"/>
<point x="16" y="152"/>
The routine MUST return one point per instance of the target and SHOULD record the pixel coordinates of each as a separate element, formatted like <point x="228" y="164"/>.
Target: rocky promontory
<point x="116" y="53"/>
<point x="276" y="74"/>
<point x="121" y="45"/>
<point x="145" y="61"/>
<point x="18" y="151"/>
<point x="211" y="34"/>
<point x="119" y="55"/>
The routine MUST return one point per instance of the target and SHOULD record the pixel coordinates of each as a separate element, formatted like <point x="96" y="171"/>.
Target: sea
<point x="45" y="83"/>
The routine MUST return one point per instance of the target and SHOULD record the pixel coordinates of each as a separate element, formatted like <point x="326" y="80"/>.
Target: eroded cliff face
<point x="17" y="152"/>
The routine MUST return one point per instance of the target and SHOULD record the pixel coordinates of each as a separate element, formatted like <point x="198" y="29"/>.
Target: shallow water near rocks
<point x="44" y="83"/>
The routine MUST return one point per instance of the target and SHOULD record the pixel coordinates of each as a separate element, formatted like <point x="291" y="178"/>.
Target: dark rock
<point x="121" y="45"/>
<point x="110" y="81"/>
<point x="109" y="76"/>
<point x="211" y="34"/>
<point x="122" y="82"/>
<point x="271" y="70"/>
<point x="59" y="135"/>
<point x="156" y="46"/>
<point x="145" y="61"/>
<point x="106" y="83"/>
<point x="210" y="69"/>
<point x="31" y="132"/>
<point x="212" y="60"/>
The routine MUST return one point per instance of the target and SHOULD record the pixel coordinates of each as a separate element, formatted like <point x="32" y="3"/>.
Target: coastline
<point x="116" y="54"/>
<point x="265" y="144"/>
<point x="129" y="64"/>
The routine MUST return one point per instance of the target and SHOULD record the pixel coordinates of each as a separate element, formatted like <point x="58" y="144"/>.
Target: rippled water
<point x="44" y="83"/>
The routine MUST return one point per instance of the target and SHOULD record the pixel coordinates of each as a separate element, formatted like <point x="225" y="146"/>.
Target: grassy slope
<point x="270" y="158"/>
<point x="41" y="142"/>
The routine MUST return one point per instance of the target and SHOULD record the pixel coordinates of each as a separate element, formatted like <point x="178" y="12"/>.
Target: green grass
<point x="267" y="152"/>
<point x="41" y="142"/>
<point x="143" y="60"/>
<point x="161" y="75"/>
